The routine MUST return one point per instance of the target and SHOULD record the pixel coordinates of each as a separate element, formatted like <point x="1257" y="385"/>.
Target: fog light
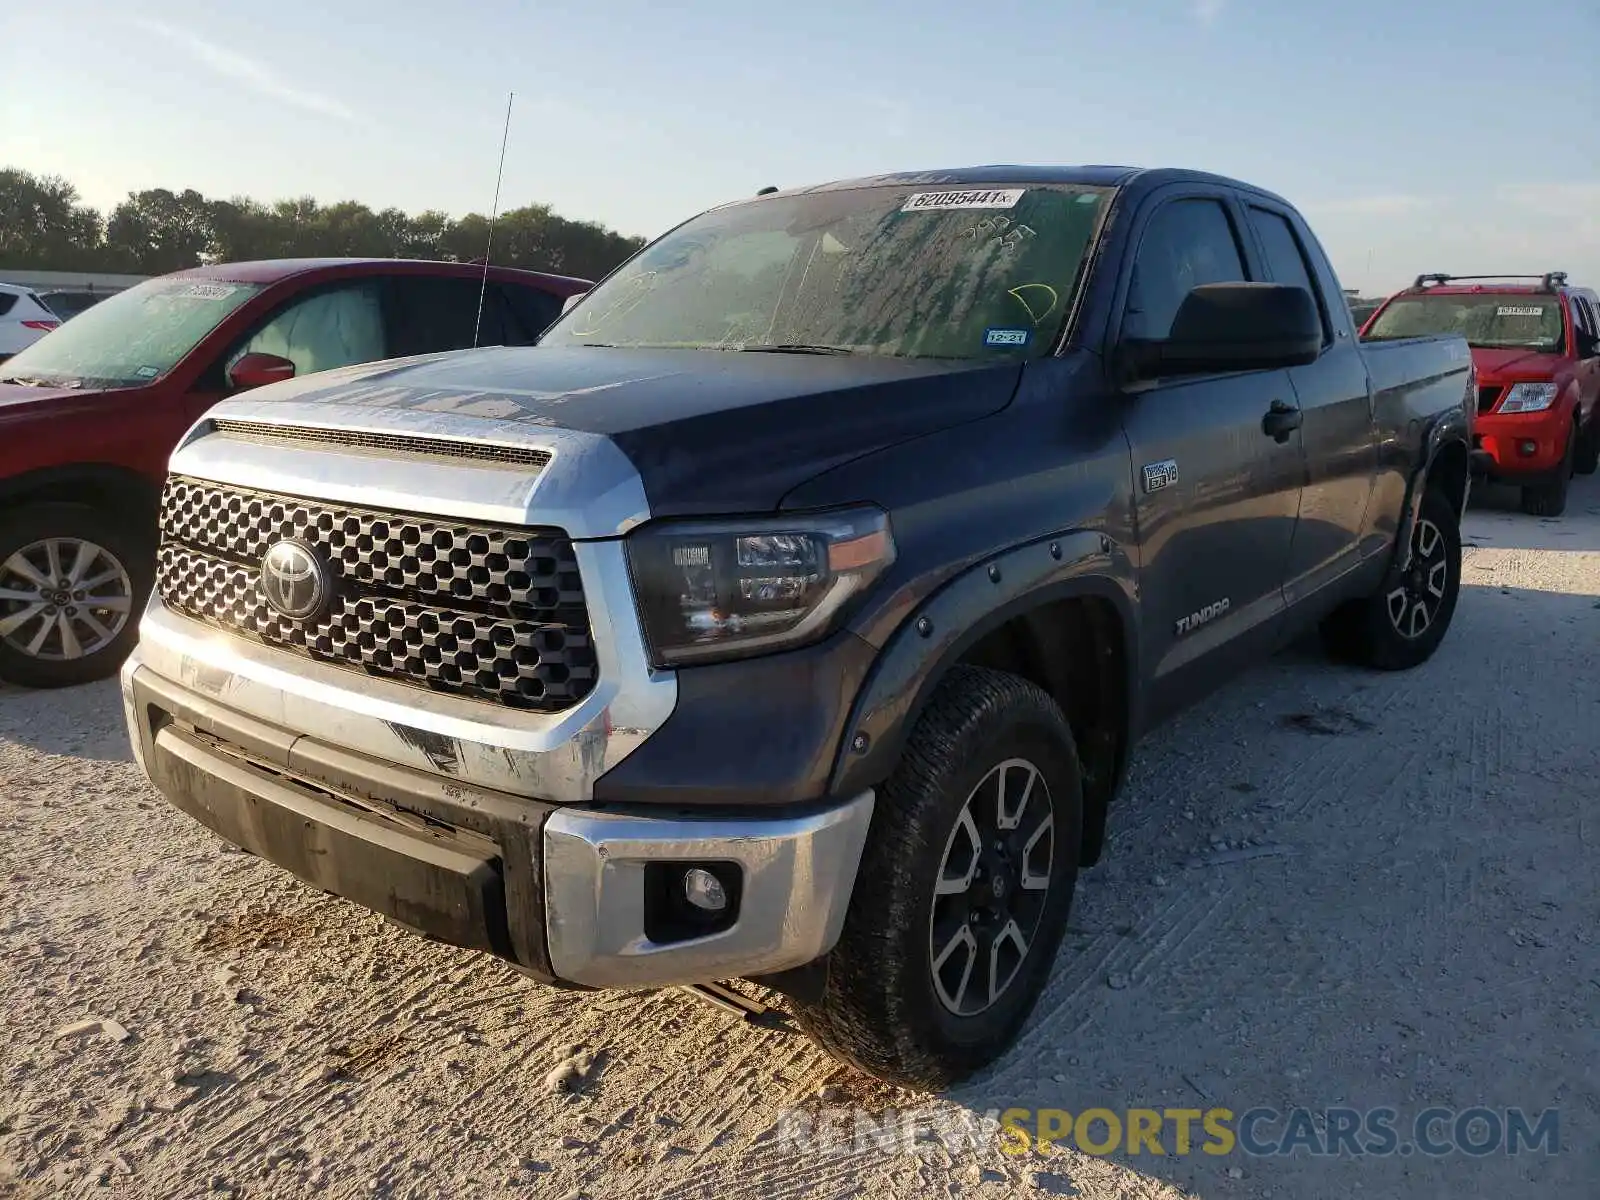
<point x="704" y="890"/>
<point x="1528" y="449"/>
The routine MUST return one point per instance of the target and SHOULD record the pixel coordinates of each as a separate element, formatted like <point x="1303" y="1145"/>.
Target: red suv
<point x="90" y="413"/>
<point x="1536" y="347"/>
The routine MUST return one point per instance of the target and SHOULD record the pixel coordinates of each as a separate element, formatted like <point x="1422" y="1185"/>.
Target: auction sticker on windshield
<point x="937" y="201"/>
<point x="207" y="291"/>
<point x="1519" y="312"/>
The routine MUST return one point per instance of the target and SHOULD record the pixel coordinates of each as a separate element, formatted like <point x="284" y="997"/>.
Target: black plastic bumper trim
<point x="455" y="862"/>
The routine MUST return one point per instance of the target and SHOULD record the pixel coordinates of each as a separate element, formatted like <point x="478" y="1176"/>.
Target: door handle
<point x="1281" y="420"/>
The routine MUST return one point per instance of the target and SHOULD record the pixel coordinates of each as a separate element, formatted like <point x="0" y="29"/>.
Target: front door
<point x="334" y="325"/>
<point x="1216" y="470"/>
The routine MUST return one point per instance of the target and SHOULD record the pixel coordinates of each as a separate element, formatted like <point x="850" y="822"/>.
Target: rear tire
<point x="1401" y="624"/>
<point x="964" y="887"/>
<point x="1550" y="499"/>
<point x="80" y="625"/>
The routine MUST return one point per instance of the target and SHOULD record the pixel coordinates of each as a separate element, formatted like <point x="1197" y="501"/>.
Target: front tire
<point x="72" y="583"/>
<point x="1550" y="499"/>
<point x="964" y="887"/>
<point x="1400" y="625"/>
<point x="1587" y="460"/>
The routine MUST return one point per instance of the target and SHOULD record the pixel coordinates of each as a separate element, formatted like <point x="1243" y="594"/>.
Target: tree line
<point x="45" y="226"/>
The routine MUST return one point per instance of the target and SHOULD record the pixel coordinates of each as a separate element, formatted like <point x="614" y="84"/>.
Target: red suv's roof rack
<point x="1548" y="282"/>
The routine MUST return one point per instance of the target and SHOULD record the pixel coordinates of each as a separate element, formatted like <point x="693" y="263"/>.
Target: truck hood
<point x="1532" y="365"/>
<point x="708" y="431"/>
<point x="18" y="399"/>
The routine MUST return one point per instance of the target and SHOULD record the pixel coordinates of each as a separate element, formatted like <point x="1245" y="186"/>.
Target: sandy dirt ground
<point x="1325" y="887"/>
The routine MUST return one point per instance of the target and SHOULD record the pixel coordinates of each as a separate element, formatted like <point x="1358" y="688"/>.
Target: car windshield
<point x="970" y="274"/>
<point x="131" y="338"/>
<point x="1494" y="322"/>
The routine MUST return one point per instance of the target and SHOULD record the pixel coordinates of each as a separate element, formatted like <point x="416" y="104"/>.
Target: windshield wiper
<point x="31" y="381"/>
<point x="795" y="348"/>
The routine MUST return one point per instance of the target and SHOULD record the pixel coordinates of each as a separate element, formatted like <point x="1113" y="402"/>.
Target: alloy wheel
<point x="994" y="880"/>
<point x="63" y="599"/>
<point x="1415" y="600"/>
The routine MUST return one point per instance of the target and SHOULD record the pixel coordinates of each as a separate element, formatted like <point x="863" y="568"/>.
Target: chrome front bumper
<point x="560" y="890"/>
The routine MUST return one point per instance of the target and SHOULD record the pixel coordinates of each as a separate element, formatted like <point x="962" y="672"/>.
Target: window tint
<point x="532" y="311"/>
<point x="1186" y="244"/>
<point x="432" y="314"/>
<point x="338" y="327"/>
<point x="1286" y="259"/>
<point x="7" y="303"/>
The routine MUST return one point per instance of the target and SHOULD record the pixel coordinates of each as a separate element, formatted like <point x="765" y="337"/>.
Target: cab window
<point x="331" y="327"/>
<point x="1186" y="244"/>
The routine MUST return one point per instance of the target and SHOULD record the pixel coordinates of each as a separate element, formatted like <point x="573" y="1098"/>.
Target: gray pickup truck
<point x="789" y="613"/>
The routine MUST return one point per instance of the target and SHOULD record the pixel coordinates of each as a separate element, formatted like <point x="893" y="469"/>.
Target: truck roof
<point x="1143" y="178"/>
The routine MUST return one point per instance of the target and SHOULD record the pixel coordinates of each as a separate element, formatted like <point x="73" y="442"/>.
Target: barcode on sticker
<point x="1519" y="312"/>
<point x="207" y="291"/>
<point x="936" y="201"/>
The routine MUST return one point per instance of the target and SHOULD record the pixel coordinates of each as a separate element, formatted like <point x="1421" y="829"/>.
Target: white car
<point x="24" y="319"/>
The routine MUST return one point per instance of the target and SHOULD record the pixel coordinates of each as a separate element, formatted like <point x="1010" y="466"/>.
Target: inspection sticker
<point x="1005" y="337"/>
<point x="1518" y="312"/>
<point x="147" y="372"/>
<point x="935" y="201"/>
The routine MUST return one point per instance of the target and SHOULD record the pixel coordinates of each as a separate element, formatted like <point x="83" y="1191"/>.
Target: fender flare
<point x="981" y="599"/>
<point x="1451" y="427"/>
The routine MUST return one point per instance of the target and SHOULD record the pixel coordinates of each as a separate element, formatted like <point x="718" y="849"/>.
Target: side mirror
<point x="571" y="302"/>
<point x="257" y="370"/>
<point x="1231" y="327"/>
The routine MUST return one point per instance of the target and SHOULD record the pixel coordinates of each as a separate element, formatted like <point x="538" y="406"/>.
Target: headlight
<point x="1528" y="397"/>
<point x="710" y="590"/>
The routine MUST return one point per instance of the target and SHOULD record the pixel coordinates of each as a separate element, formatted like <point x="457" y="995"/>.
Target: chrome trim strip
<point x="589" y="488"/>
<point x="547" y="756"/>
<point x="799" y="873"/>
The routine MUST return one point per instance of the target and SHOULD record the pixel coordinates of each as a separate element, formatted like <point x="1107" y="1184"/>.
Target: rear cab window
<point x="1286" y="259"/>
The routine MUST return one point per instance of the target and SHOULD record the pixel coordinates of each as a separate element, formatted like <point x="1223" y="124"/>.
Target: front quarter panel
<point x="917" y="656"/>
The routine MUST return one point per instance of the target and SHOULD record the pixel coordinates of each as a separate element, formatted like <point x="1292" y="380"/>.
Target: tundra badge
<point x="1158" y="475"/>
<point x="1205" y="616"/>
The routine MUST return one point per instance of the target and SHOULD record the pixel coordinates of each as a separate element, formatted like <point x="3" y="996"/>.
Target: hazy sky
<point x="1418" y="135"/>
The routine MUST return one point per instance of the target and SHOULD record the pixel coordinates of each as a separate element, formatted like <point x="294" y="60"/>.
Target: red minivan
<point x="1536" y="346"/>
<point x="90" y="413"/>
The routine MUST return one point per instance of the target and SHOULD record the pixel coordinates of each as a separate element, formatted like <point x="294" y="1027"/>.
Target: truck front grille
<point x="488" y="613"/>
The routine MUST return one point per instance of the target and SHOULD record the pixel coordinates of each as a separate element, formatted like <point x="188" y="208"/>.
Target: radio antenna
<point x="494" y="212"/>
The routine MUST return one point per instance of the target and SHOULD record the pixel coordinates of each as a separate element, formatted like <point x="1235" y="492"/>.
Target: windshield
<point x="1494" y="322"/>
<point x="131" y="338"/>
<point x="973" y="274"/>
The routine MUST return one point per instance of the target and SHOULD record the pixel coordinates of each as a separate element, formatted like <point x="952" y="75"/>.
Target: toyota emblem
<point x="294" y="581"/>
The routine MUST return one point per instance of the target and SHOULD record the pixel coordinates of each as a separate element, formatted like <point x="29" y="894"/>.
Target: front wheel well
<point x="133" y="498"/>
<point x="1074" y="649"/>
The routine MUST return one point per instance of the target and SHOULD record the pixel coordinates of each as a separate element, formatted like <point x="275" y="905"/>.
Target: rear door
<point x="429" y="314"/>
<point x="1216" y="496"/>
<point x="1338" y="438"/>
